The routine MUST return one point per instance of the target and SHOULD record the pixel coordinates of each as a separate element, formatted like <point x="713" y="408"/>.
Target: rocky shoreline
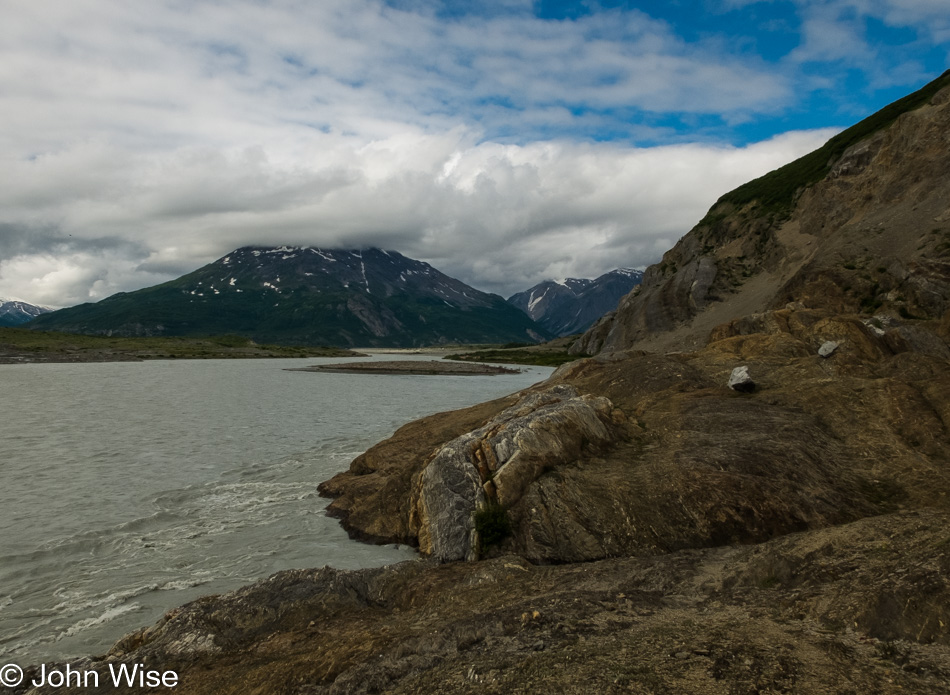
<point x="834" y="611"/>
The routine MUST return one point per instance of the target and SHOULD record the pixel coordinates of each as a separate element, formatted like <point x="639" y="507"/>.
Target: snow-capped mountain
<point x="571" y="306"/>
<point x="313" y="296"/>
<point x="13" y="312"/>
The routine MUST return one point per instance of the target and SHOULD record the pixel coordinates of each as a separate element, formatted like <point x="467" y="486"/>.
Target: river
<point x="128" y="488"/>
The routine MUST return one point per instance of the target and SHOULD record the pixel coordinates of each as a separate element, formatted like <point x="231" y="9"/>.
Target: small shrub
<point x="492" y="525"/>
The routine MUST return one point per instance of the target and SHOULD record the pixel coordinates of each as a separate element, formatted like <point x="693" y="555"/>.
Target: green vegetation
<point x="542" y="358"/>
<point x="775" y="193"/>
<point x="884" y="494"/>
<point x="297" y="314"/>
<point x="47" y="346"/>
<point x="492" y="525"/>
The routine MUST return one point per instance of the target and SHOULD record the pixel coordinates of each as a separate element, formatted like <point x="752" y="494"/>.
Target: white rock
<point x="740" y="380"/>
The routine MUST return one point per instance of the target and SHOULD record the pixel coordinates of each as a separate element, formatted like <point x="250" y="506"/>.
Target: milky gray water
<point x="129" y="488"/>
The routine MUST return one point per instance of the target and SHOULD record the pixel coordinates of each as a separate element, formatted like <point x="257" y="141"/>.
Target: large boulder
<point x="498" y="462"/>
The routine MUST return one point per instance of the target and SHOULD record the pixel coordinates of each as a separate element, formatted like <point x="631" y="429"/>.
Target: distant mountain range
<point x="13" y="312"/>
<point x="308" y="296"/>
<point x="569" y="306"/>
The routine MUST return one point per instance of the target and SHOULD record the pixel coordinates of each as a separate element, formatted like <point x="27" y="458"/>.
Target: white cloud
<point x="141" y="140"/>
<point x="500" y="217"/>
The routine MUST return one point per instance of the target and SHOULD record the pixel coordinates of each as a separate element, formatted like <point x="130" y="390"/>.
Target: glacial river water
<point x="129" y="488"/>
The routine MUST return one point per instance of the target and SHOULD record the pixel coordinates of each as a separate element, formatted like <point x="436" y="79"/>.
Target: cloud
<point x="50" y="269"/>
<point x="139" y="142"/>
<point x="498" y="216"/>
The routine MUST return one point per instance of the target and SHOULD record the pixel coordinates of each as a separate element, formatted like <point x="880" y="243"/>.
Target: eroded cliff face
<point x="872" y="235"/>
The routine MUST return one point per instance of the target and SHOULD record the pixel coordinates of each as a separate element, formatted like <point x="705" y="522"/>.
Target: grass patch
<point x="492" y="525"/>
<point x="883" y="494"/>
<point x="78" y="347"/>
<point x="774" y="194"/>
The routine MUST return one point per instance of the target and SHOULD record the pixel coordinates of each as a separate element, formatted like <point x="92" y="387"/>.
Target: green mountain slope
<point x="308" y="296"/>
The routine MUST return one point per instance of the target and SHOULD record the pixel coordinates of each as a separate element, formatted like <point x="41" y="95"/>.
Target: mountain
<point x="13" y="312"/>
<point x="859" y="225"/>
<point x="573" y="305"/>
<point x="309" y="296"/>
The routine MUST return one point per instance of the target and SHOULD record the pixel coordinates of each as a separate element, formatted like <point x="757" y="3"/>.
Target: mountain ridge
<point x="14" y="312"/>
<point x="308" y="295"/>
<point x="572" y="305"/>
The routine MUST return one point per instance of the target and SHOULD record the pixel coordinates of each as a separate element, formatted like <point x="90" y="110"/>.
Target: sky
<point x="503" y="141"/>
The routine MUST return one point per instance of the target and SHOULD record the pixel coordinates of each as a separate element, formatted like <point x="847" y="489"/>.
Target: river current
<point x="129" y="488"/>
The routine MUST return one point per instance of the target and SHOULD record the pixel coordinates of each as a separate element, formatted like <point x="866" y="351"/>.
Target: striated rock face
<point x="371" y="499"/>
<point x="497" y="462"/>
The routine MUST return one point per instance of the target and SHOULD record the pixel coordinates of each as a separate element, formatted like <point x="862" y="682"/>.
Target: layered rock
<point x="688" y="462"/>
<point x="498" y="462"/>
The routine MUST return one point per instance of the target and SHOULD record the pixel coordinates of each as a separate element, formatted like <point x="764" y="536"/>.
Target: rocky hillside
<point x="565" y="307"/>
<point x="860" y="225"/>
<point x="14" y="312"/>
<point x="308" y="296"/>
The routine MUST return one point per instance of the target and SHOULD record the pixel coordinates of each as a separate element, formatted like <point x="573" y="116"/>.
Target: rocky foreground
<point x="857" y="608"/>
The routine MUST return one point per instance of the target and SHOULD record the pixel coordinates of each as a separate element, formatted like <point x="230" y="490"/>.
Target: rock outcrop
<point x="371" y="499"/>
<point x="689" y="462"/>
<point x="498" y="462"/>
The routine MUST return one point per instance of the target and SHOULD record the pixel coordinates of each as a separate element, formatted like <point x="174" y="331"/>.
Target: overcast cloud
<point x="141" y="141"/>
